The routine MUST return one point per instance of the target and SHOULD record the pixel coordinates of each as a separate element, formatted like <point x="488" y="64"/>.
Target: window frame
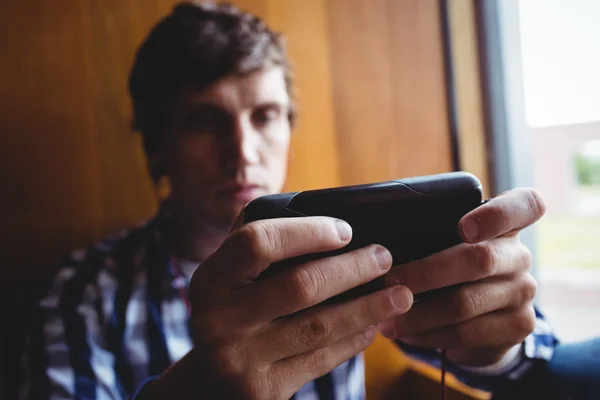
<point x="508" y="133"/>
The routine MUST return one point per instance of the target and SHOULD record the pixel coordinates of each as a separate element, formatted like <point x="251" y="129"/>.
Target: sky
<point x="560" y="42"/>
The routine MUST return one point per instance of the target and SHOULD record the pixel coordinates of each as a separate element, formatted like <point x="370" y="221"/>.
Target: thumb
<point x="239" y="221"/>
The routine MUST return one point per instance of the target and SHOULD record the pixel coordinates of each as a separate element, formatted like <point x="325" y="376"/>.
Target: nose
<point x="242" y="148"/>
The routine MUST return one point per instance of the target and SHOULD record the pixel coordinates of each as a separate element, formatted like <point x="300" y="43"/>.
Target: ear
<point x="156" y="165"/>
<point x="157" y="170"/>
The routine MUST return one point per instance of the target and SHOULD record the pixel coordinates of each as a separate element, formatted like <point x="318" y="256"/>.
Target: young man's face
<point x="227" y="145"/>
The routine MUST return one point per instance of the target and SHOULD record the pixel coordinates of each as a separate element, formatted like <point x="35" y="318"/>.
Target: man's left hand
<point x="485" y="305"/>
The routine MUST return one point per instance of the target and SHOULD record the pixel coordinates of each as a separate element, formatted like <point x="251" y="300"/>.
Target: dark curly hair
<point x="194" y="46"/>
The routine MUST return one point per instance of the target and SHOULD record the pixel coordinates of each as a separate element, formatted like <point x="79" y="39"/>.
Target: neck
<point x="191" y="240"/>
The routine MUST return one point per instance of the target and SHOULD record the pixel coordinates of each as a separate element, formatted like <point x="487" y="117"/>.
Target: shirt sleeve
<point x="537" y="348"/>
<point x="66" y="353"/>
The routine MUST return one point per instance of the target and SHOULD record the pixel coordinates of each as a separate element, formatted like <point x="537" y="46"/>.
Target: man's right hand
<point x="250" y="342"/>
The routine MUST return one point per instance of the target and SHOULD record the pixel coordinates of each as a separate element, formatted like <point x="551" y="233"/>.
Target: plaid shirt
<point x="114" y="317"/>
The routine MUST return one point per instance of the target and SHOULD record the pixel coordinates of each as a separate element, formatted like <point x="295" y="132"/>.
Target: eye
<point x="265" y="115"/>
<point x="204" y="121"/>
<point x="198" y="121"/>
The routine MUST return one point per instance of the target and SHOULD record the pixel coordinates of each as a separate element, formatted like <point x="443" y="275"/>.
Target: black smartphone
<point x="413" y="217"/>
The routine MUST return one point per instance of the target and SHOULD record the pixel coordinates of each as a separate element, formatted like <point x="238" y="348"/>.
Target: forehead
<point x="238" y="92"/>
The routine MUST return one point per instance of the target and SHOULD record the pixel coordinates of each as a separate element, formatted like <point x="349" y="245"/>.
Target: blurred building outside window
<point x="560" y="61"/>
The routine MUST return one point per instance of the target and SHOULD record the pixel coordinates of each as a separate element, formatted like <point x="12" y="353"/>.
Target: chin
<point x="225" y="211"/>
<point x="226" y="216"/>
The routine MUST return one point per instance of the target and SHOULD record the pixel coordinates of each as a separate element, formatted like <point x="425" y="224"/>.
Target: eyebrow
<point x="272" y="103"/>
<point x="210" y="106"/>
<point x="195" y="106"/>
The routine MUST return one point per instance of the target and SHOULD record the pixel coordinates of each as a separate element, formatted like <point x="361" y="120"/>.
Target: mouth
<point x="244" y="192"/>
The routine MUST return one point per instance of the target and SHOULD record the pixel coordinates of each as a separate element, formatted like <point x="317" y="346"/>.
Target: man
<point x="211" y="90"/>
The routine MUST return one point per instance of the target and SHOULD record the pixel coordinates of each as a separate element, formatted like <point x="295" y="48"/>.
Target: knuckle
<point x="528" y="288"/>
<point x="524" y="322"/>
<point x="483" y="256"/>
<point x="321" y="360"/>
<point x="355" y="264"/>
<point x="362" y="263"/>
<point x="326" y="360"/>
<point x="317" y="330"/>
<point x="500" y="213"/>
<point x="525" y="257"/>
<point x="364" y="259"/>
<point x="302" y="286"/>
<point x="464" y="303"/>
<point x="257" y="240"/>
<point x="536" y="203"/>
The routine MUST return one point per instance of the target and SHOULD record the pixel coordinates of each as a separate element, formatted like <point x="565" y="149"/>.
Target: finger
<point x="494" y="329"/>
<point x="324" y="326"/>
<point x="311" y="283"/>
<point x="252" y="248"/>
<point x="509" y="212"/>
<point x="301" y="369"/>
<point x="461" y="304"/>
<point x="462" y="263"/>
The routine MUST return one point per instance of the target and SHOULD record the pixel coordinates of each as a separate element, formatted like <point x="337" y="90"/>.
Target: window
<point x="543" y="68"/>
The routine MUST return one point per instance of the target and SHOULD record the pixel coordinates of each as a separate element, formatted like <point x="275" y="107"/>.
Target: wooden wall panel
<point x="422" y="135"/>
<point x="72" y="169"/>
<point x="388" y="86"/>
<point x="362" y="87"/>
<point x="314" y="158"/>
<point x="472" y="143"/>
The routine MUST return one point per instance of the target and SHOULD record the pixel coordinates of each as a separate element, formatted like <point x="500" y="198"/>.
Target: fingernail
<point x="344" y="230"/>
<point x="470" y="229"/>
<point x="370" y="333"/>
<point x="383" y="256"/>
<point x="401" y="298"/>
